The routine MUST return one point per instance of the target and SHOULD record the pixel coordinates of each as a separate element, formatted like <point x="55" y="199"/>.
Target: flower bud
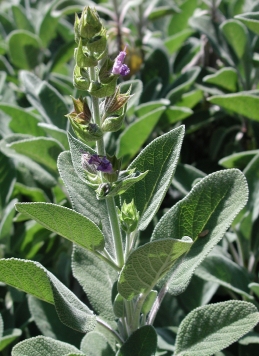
<point x="98" y="45"/>
<point x="119" y="68"/>
<point x="100" y="90"/>
<point x="112" y="176"/>
<point x="86" y="132"/>
<point x="116" y="101"/>
<point x="129" y="216"/>
<point x="81" y="79"/>
<point x="89" y="24"/>
<point x="83" y="59"/>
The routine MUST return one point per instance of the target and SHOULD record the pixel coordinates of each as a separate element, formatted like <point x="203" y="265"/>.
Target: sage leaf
<point x="43" y="150"/>
<point x="49" y="324"/>
<point x="221" y="270"/>
<point x="210" y="207"/>
<point x="97" y="281"/>
<point x="242" y="103"/>
<point x="65" y="222"/>
<point x="141" y="342"/>
<point x="225" y="78"/>
<point x="148" y="263"/>
<point x="160" y="158"/>
<point x="211" y="328"/>
<point x="44" y="346"/>
<point x="32" y="278"/>
<point x="95" y="344"/>
<point x="251" y="20"/>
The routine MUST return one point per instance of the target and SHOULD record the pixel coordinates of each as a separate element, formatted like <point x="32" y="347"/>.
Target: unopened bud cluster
<point x="96" y="74"/>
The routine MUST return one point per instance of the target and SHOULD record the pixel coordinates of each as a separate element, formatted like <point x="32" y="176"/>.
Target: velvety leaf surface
<point x="22" y="120"/>
<point x="65" y="222"/>
<point x="148" y="263"/>
<point x="32" y="278"/>
<point x="221" y="270"/>
<point x="179" y="21"/>
<point x="238" y="160"/>
<point x="160" y="159"/>
<point x="211" y="328"/>
<point x="142" y="342"/>
<point x="209" y="208"/>
<point x="226" y="78"/>
<point x="251" y="20"/>
<point x="48" y="322"/>
<point x="56" y="133"/>
<point x="44" y="346"/>
<point x="83" y="198"/>
<point x="37" y="171"/>
<point x="237" y="36"/>
<point x="45" y="99"/>
<point x="42" y="150"/>
<point x="243" y="103"/>
<point x="24" y="49"/>
<point x="96" y="278"/>
<point x="95" y="344"/>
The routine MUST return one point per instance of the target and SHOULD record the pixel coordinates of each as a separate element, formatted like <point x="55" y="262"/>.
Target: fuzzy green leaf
<point x="148" y="263"/>
<point x="95" y="344"/>
<point x="22" y="120"/>
<point x="32" y="278"/>
<point x="204" y="214"/>
<point x="237" y="36"/>
<point x="44" y="346"/>
<point x="65" y="222"/>
<point x="141" y="342"/>
<point x="221" y="270"/>
<point x="238" y="160"/>
<point x="251" y="20"/>
<point x="226" y="78"/>
<point x="24" y="49"/>
<point x="160" y="159"/>
<point x="242" y="103"/>
<point x="45" y="99"/>
<point x="211" y="328"/>
<point x="43" y="150"/>
<point x="98" y="281"/>
<point x="49" y="324"/>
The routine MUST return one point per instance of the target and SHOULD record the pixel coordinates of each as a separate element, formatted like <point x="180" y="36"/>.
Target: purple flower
<point x="100" y="163"/>
<point x="118" y="67"/>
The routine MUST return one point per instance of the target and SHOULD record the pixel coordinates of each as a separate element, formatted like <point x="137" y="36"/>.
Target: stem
<point x="116" y="232"/>
<point x="110" y="329"/>
<point x="156" y="305"/>
<point x="107" y="260"/>
<point x="113" y="217"/>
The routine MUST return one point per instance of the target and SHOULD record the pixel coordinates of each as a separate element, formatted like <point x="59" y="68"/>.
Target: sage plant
<point x="125" y="281"/>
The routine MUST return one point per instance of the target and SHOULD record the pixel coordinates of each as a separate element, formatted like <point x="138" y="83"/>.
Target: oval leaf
<point x="204" y="214"/>
<point x="148" y="263"/>
<point x="44" y="346"/>
<point x="65" y="222"/>
<point x="32" y="278"/>
<point x="140" y="343"/>
<point x="160" y="158"/>
<point x="211" y="328"/>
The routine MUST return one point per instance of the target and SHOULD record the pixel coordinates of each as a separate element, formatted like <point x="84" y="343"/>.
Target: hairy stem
<point x="113" y="217"/>
<point x="110" y="329"/>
